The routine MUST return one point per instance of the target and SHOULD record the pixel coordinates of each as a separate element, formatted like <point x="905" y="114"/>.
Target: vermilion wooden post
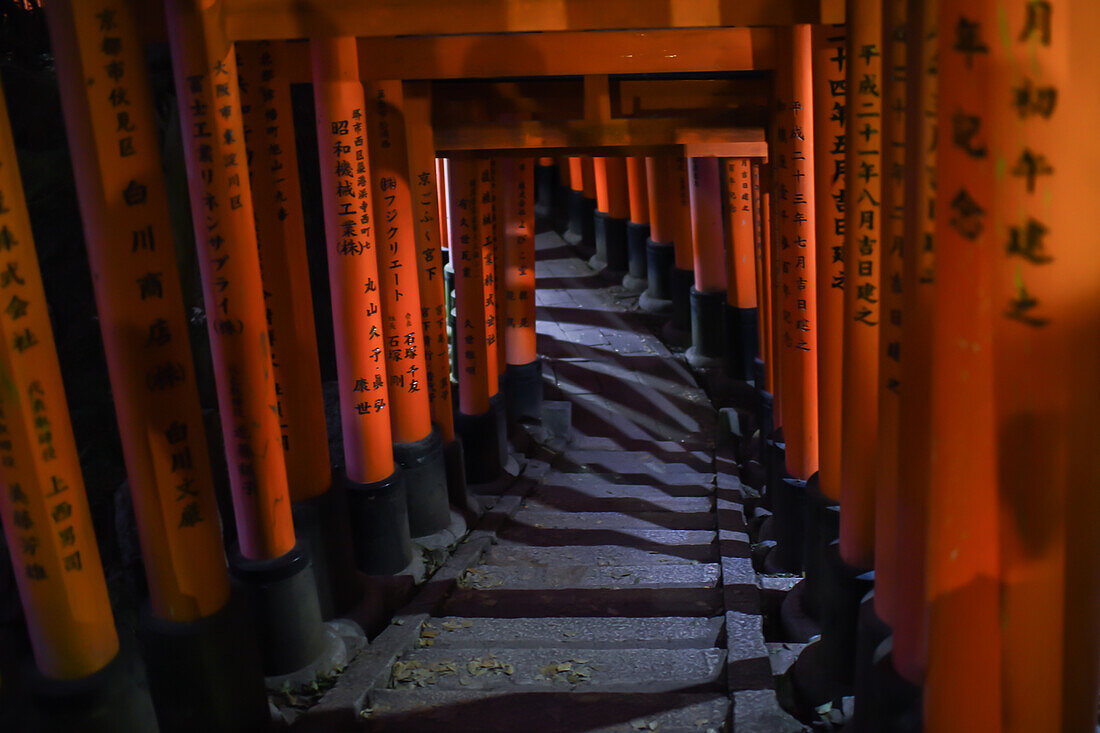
<point x="497" y="182"/>
<point x="418" y="447"/>
<point x="892" y="214"/>
<point x="918" y="292"/>
<point x="587" y="179"/>
<point x="637" y="228"/>
<point x="741" y="334"/>
<point x="708" y="295"/>
<point x="580" y="206"/>
<point x="320" y="517"/>
<point x="762" y="247"/>
<point x="431" y="222"/>
<point x="205" y="69"/>
<point x="376" y="490"/>
<point x="678" y="329"/>
<point x="1046" y="312"/>
<point x="963" y="689"/>
<point x="524" y="370"/>
<point x="612" y="211"/>
<point x="45" y="510"/>
<point x="479" y="421"/>
<point x="660" y="254"/>
<point x="863" y="235"/>
<point x="562" y="193"/>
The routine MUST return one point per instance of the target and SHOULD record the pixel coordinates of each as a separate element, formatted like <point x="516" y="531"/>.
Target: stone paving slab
<point x="566" y="577"/>
<point x="581" y="555"/>
<point x="656" y="539"/>
<point x="562" y="500"/>
<point x="596" y="670"/>
<point x="509" y="712"/>
<point x="597" y="485"/>
<point x="669" y="632"/>
<point x="556" y="519"/>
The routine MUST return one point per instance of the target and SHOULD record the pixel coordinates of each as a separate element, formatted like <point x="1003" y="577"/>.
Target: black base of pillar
<point x="635" y="280"/>
<point x="843" y="590"/>
<point x="205" y="674"/>
<point x="871" y="633"/>
<point x="379" y="514"/>
<point x="741" y="341"/>
<point x="498" y="404"/>
<point x="457" y="490"/>
<point x="523" y="387"/>
<point x="895" y="704"/>
<point x="546" y="182"/>
<point x="481" y="441"/>
<point x="758" y="373"/>
<point x="112" y="699"/>
<point x="789" y="509"/>
<point x="708" y="329"/>
<point x="582" y="233"/>
<point x="822" y="526"/>
<point x="678" y="329"/>
<point x="321" y="525"/>
<point x="775" y="467"/>
<point x="425" y="473"/>
<point x="560" y="215"/>
<point x="765" y="418"/>
<point x="660" y="259"/>
<point x="611" y="246"/>
<point x="285" y="612"/>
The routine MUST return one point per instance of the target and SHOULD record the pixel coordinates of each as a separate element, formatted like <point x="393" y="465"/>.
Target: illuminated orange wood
<point x="391" y="191"/>
<point x="140" y="308"/>
<point x="612" y="194"/>
<point x="862" y="249"/>
<point x="280" y="230"/>
<point x="564" y="172"/>
<point x="576" y="173"/>
<point x="797" y="342"/>
<point x="829" y="162"/>
<point x="708" y="242"/>
<point x="662" y="198"/>
<point x="766" y="270"/>
<point x="588" y="177"/>
<point x="638" y="192"/>
<point x="894" y="183"/>
<point x="739" y="233"/>
<point x="42" y="501"/>
<point x="681" y="235"/>
<point x="775" y="291"/>
<point x="962" y="690"/>
<point x="918" y="291"/>
<point x="352" y="263"/>
<point x="762" y="249"/>
<point x="518" y="189"/>
<point x="487" y="241"/>
<point x="429" y="211"/>
<point x="205" y="67"/>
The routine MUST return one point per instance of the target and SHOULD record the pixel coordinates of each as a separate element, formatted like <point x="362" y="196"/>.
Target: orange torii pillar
<point x="637" y="228"/>
<point x="479" y="420"/>
<point x="320" y="514"/>
<point x="1046" y="357"/>
<point x="271" y="566"/>
<point x="761" y="251"/>
<point x="45" y="513"/>
<point x="812" y="674"/>
<point x="417" y="444"/>
<point x="431" y="222"/>
<point x="582" y="205"/>
<point x="708" y="295"/>
<point x="377" y="501"/>
<point x="740" y="233"/>
<point x="496" y="171"/>
<point x="918" y="298"/>
<point x="682" y="278"/>
<point x="797" y="333"/>
<point x="659" y="250"/>
<point x="523" y="376"/>
<point x="612" y="211"/>
<point x="196" y="647"/>
<point x="562" y="195"/>
<point x="546" y="186"/>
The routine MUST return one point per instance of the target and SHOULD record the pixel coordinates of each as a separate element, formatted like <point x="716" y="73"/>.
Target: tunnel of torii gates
<point x="865" y="220"/>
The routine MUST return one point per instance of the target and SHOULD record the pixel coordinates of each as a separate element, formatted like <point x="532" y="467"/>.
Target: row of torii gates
<point x="895" y="209"/>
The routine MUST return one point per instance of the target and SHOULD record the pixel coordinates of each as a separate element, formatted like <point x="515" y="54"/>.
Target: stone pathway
<point x="611" y="588"/>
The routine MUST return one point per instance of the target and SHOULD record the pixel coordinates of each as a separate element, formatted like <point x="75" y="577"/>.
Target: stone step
<point x="515" y="554"/>
<point x="650" y="539"/>
<point x="630" y="463"/>
<point x="566" y="670"/>
<point x="566" y="577"/>
<point x="573" y="632"/>
<point x="625" y="600"/>
<point x="597" y="485"/>
<point x="506" y="712"/>
<point x="553" y="519"/>
<point x="562" y="499"/>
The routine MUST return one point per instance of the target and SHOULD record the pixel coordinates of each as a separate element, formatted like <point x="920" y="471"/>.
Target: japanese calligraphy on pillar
<point x="280" y="230"/>
<point x="472" y="354"/>
<point x="401" y="316"/>
<point x="42" y="500"/>
<point x="486" y="237"/>
<point x="739" y="233"/>
<point x="519" y="251"/>
<point x="100" y="61"/>
<point x="429" y="220"/>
